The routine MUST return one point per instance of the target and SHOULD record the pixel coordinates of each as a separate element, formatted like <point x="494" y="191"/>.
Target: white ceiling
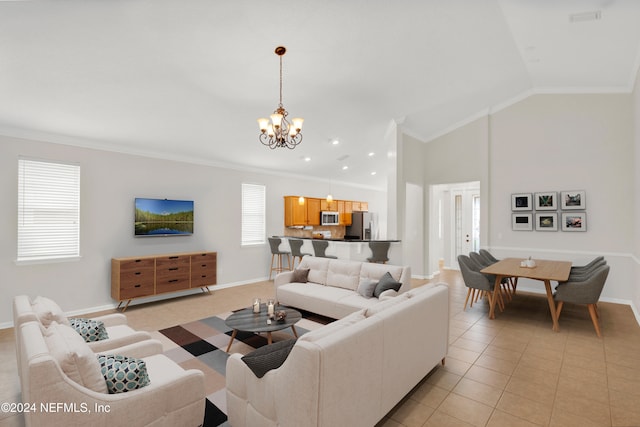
<point x="187" y="79"/>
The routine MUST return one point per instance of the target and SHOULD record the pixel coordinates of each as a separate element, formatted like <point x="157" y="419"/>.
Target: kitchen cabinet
<point x="308" y="212"/>
<point x="345" y="209"/>
<point x="331" y="206"/>
<point x="313" y="211"/>
<point x="295" y="213"/>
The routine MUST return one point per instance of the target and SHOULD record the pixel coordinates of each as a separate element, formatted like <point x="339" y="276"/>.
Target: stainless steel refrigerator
<point x="363" y="226"/>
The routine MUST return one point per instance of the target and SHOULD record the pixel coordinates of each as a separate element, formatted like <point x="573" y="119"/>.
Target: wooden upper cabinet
<point x="344" y="209"/>
<point x="331" y="206"/>
<point x="295" y="213"/>
<point x="313" y="211"/>
<point x="308" y="212"/>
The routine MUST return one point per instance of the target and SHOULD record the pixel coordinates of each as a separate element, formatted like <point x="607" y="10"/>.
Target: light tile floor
<point x="512" y="371"/>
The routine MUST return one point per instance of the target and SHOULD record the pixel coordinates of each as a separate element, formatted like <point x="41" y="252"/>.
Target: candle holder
<point x="271" y="308"/>
<point x="256" y="305"/>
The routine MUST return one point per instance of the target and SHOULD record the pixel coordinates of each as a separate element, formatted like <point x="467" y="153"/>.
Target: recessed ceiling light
<point x="307" y="159"/>
<point x="335" y="141"/>
<point x="373" y="173"/>
<point x="371" y="154"/>
<point x="345" y="167"/>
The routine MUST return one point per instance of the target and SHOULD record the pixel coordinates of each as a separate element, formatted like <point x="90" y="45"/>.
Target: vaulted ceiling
<point x="187" y="79"/>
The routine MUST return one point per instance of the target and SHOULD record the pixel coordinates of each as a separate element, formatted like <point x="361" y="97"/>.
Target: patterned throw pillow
<point x="90" y="330"/>
<point x="123" y="373"/>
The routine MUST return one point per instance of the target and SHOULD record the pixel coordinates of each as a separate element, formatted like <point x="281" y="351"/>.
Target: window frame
<point x="258" y="236"/>
<point x="43" y="211"/>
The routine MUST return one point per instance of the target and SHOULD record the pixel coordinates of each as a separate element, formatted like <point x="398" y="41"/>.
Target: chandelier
<point x="279" y="132"/>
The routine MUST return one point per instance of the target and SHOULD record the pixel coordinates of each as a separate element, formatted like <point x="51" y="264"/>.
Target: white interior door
<point x="465" y="221"/>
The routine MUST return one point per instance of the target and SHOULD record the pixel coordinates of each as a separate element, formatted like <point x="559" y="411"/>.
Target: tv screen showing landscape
<point x="162" y="217"/>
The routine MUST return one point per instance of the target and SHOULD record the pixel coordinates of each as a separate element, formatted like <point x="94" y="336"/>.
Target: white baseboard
<point x="94" y="309"/>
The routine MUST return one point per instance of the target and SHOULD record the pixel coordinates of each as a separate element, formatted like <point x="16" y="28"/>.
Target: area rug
<point x="202" y="344"/>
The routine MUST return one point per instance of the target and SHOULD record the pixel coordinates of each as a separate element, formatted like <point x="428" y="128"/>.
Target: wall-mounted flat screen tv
<point x="162" y="217"/>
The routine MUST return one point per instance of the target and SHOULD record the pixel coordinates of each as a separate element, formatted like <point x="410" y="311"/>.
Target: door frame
<point x="442" y="222"/>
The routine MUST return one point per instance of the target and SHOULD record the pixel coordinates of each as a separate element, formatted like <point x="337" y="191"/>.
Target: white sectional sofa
<point x="331" y="289"/>
<point x="351" y="372"/>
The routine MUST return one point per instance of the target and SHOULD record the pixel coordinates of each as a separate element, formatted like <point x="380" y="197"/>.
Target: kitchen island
<point x="356" y="250"/>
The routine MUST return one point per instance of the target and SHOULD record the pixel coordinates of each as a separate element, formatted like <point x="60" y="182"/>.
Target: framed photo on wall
<point x="573" y="200"/>
<point x="547" y="221"/>
<point x="574" y="221"/>
<point x="521" y="202"/>
<point x="521" y="222"/>
<point x="546" y="201"/>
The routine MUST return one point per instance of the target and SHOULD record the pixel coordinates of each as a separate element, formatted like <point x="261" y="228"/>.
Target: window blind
<point x="48" y="210"/>
<point x="253" y="214"/>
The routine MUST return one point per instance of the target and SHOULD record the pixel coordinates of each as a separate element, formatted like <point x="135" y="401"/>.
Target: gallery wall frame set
<point x="539" y="210"/>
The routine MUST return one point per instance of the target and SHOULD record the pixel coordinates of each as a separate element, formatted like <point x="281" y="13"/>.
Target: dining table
<point x="540" y="269"/>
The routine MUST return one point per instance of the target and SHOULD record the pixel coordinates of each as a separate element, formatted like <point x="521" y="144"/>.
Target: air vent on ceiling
<point x="585" y="16"/>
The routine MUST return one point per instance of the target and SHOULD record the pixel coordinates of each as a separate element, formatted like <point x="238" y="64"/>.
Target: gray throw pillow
<point x="386" y="282"/>
<point x="300" y="275"/>
<point x="367" y="287"/>
<point x="268" y="357"/>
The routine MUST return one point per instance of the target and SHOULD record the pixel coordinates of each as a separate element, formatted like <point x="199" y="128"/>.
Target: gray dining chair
<point x="483" y="262"/>
<point x="585" y="291"/>
<point x="319" y="248"/>
<point x="476" y="281"/>
<point x="274" y="243"/>
<point x="379" y="252"/>
<point x="296" y="251"/>
<point x="582" y="272"/>
<point x="488" y="256"/>
<point x="511" y="282"/>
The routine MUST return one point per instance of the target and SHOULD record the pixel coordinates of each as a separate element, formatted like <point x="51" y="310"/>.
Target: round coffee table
<point x="248" y="321"/>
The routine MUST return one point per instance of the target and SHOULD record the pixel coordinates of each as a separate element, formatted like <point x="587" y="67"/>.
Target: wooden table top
<point x="544" y="269"/>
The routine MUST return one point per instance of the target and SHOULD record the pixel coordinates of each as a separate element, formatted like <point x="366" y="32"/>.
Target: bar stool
<point x="274" y="242"/>
<point x="295" y="245"/>
<point x="319" y="246"/>
<point x="379" y="252"/>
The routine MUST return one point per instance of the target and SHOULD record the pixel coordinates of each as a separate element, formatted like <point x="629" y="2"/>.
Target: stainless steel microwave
<point x="329" y="218"/>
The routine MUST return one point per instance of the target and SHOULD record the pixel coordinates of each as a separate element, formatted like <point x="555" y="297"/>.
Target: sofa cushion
<point x="317" y="269"/>
<point x="74" y="356"/>
<point x="90" y="330"/>
<point x="344" y="274"/>
<point x="333" y="327"/>
<point x="386" y="282"/>
<point x="366" y="287"/>
<point x="371" y="311"/>
<point x="48" y="311"/>
<point x="268" y="357"/>
<point x="122" y="373"/>
<point x="371" y="270"/>
<point x="300" y="275"/>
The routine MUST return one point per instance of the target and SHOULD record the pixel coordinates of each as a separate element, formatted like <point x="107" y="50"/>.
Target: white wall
<point x="568" y="142"/>
<point x="636" y="169"/>
<point x="552" y="143"/>
<point x="109" y="183"/>
<point x="457" y="157"/>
